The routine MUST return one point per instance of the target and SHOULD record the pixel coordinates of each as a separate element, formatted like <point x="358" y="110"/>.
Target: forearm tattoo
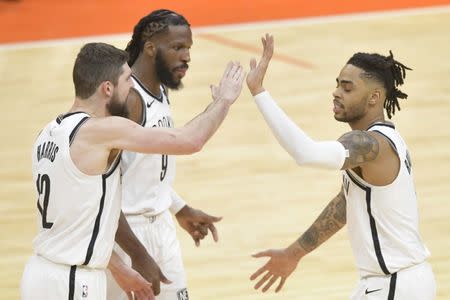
<point x="330" y="221"/>
<point x="362" y="147"/>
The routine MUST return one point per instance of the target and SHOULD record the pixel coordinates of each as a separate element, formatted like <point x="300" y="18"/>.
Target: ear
<point x="107" y="88"/>
<point x="375" y="97"/>
<point x="150" y="48"/>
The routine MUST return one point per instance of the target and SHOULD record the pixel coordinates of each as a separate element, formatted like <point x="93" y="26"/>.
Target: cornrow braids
<point x="150" y="25"/>
<point x="387" y="71"/>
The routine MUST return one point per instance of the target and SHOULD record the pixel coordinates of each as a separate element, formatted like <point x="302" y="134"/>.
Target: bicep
<point x="362" y="147"/>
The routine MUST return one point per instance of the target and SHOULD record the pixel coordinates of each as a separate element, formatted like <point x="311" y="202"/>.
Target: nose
<point x="186" y="56"/>
<point x="335" y="94"/>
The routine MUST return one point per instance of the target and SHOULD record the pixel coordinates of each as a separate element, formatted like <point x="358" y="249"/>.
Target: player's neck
<point x="366" y="121"/>
<point x="90" y="106"/>
<point x="147" y="76"/>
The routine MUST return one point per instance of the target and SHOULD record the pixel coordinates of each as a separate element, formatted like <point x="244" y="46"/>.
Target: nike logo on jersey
<point x="150" y="104"/>
<point x="372" y="291"/>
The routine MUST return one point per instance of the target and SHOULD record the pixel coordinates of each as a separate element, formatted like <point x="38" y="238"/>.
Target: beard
<point x="353" y="113"/>
<point x="164" y="73"/>
<point x="116" y="108"/>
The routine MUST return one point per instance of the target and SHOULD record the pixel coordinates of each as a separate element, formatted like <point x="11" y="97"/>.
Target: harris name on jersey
<point x="47" y="150"/>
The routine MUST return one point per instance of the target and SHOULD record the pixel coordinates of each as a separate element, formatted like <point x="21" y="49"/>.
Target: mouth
<point x="337" y="106"/>
<point x="181" y="70"/>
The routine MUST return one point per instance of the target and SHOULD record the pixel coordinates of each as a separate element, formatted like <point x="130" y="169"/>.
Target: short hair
<point x="385" y="70"/>
<point x="96" y="63"/>
<point x="154" y="23"/>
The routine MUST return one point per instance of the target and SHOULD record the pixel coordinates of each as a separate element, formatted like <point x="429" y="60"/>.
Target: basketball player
<point x="75" y="166"/>
<point x="159" y="57"/>
<point x="377" y="200"/>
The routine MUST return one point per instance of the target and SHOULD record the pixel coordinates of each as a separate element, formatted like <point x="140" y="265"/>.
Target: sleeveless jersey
<point x="77" y="214"/>
<point x="147" y="178"/>
<point x="383" y="221"/>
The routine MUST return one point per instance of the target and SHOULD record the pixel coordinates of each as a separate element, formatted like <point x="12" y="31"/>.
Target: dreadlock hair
<point x="385" y="70"/>
<point x="156" y="22"/>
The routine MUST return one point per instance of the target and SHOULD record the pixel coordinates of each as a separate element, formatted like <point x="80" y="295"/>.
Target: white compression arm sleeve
<point x="305" y="151"/>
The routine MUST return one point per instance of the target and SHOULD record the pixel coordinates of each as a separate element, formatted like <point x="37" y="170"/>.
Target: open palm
<point x="257" y="72"/>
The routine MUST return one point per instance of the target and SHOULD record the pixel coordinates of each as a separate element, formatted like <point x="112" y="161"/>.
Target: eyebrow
<point x="344" y="81"/>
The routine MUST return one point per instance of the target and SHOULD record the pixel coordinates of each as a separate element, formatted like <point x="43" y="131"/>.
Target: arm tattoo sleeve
<point x="362" y="147"/>
<point x="330" y="221"/>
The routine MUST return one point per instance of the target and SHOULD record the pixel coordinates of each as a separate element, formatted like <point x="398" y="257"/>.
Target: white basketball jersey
<point x="383" y="221"/>
<point x="147" y="178"/>
<point x="77" y="214"/>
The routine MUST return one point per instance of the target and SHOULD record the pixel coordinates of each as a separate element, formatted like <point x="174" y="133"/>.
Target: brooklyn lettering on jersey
<point x="166" y="121"/>
<point x="47" y="150"/>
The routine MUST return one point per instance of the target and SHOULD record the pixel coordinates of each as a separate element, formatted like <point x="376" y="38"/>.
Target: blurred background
<point x="242" y="174"/>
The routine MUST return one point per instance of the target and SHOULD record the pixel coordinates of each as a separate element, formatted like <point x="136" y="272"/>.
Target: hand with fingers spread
<point x="281" y="264"/>
<point x="257" y="72"/>
<point x="230" y="86"/>
<point x="197" y="223"/>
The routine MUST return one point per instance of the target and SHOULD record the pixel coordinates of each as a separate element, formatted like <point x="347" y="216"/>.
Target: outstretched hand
<point x="197" y="223"/>
<point x="230" y="86"/>
<point x="280" y="265"/>
<point x="257" y="72"/>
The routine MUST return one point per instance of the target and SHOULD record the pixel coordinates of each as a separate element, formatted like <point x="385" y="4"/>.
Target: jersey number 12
<point x="43" y="188"/>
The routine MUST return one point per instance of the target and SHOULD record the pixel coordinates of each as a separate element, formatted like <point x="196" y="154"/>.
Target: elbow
<point x="300" y="159"/>
<point x="194" y="146"/>
<point x="197" y="146"/>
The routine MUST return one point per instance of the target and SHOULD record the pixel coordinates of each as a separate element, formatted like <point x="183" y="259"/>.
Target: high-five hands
<point x="256" y="74"/>
<point x="230" y="86"/>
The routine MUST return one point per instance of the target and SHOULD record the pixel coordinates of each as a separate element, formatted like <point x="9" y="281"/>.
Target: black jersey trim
<point x="373" y="226"/>
<point x="373" y="230"/>
<point x="75" y="130"/>
<point x="144" y="110"/>
<point x="73" y="270"/>
<point x="382" y="124"/>
<point x="389" y="139"/>
<point x="166" y="93"/>
<point x="114" y="165"/>
<point x="63" y="116"/>
<point x="392" y="284"/>
<point x="362" y="186"/>
<point x="90" y="249"/>
<point x="160" y="98"/>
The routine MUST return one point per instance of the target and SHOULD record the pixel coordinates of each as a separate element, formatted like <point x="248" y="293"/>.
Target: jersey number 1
<point x="43" y="187"/>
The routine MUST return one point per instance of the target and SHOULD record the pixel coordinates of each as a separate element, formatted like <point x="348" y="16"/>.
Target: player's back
<point x="77" y="214"/>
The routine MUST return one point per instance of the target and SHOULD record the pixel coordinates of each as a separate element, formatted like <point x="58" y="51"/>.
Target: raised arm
<point x="283" y="262"/>
<point x="305" y="151"/>
<point x="120" y="133"/>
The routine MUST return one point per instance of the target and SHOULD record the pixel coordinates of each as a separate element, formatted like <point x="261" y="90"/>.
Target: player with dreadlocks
<point x="159" y="57"/>
<point x="377" y="199"/>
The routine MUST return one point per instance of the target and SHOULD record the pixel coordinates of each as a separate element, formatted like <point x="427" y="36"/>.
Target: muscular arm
<point x="362" y="147"/>
<point x="120" y="133"/>
<point x="330" y="221"/>
<point x="283" y="262"/>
